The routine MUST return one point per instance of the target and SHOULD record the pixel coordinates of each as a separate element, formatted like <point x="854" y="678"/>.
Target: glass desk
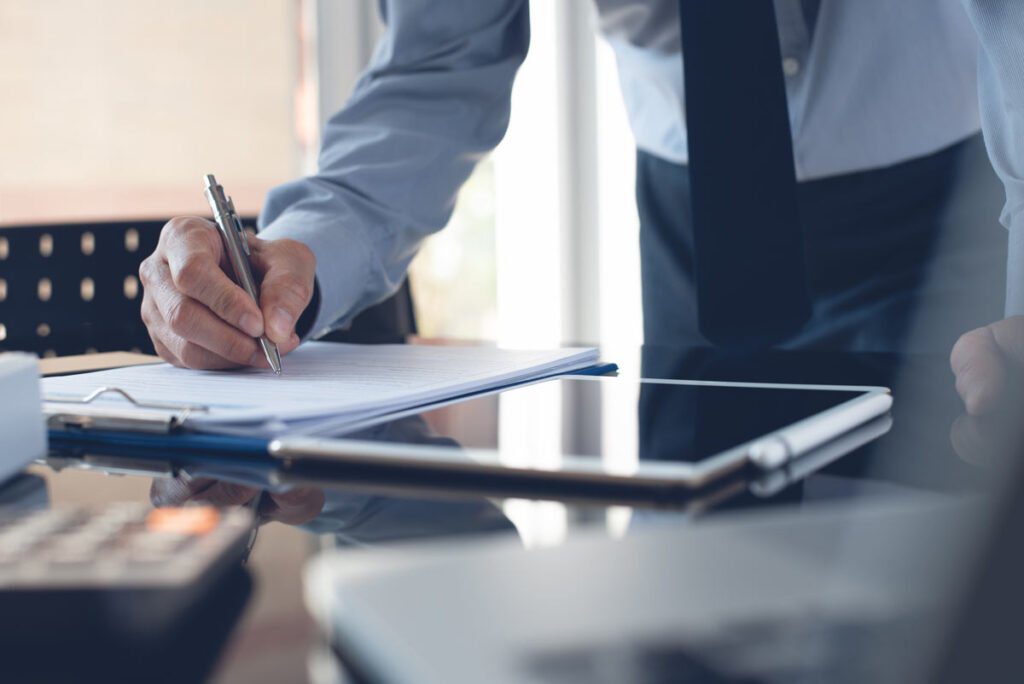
<point x="930" y="451"/>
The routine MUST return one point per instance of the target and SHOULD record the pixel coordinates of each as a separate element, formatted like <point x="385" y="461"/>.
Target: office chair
<point x="74" y="289"/>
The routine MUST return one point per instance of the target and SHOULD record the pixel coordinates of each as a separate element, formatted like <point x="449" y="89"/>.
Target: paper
<point x="323" y="380"/>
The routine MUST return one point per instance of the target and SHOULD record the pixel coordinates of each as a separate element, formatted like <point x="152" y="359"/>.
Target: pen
<point x="236" y="243"/>
<point x="254" y="505"/>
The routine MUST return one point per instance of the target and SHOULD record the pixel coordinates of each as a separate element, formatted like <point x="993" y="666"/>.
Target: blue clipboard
<point x="143" y="444"/>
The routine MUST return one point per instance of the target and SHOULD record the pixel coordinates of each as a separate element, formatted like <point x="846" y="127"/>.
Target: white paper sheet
<point x="327" y="380"/>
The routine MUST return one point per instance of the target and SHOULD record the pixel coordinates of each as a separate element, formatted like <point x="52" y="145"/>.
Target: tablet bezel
<point x="872" y="402"/>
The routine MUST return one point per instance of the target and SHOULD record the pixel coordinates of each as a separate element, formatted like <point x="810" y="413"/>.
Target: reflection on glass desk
<point x="122" y="591"/>
<point x="913" y="458"/>
<point x="654" y="438"/>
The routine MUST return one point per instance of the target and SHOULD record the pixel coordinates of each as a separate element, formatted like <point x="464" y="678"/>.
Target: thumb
<point x="288" y="270"/>
<point x="978" y="365"/>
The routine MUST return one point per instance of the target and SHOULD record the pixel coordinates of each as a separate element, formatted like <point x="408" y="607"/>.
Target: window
<point x="123" y="105"/>
<point x="507" y="267"/>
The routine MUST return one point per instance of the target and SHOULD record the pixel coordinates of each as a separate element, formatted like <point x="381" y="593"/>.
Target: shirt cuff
<point x="304" y="326"/>
<point x="1015" y="268"/>
<point x="342" y="266"/>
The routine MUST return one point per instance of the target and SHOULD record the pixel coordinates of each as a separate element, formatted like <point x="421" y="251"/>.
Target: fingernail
<point x="281" y="321"/>
<point x="251" y="324"/>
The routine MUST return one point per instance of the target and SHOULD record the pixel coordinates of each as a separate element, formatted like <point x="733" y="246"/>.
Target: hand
<point x="198" y="317"/>
<point x="987" y="362"/>
<point x="987" y="441"/>
<point x="292" y="507"/>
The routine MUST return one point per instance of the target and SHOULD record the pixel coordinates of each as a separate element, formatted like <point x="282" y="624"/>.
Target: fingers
<point x="192" y="331"/>
<point x="288" y="269"/>
<point x="983" y="361"/>
<point x="1009" y="336"/>
<point x="295" y="506"/>
<point x="185" y="330"/>
<point x="292" y="507"/>
<point x="979" y="369"/>
<point x="175" y="349"/>
<point x="226" y="494"/>
<point x="198" y="317"/>
<point x="178" y="490"/>
<point x="165" y="353"/>
<point x="990" y="441"/>
<point x="182" y="490"/>
<point x="192" y="249"/>
<point x="967" y="439"/>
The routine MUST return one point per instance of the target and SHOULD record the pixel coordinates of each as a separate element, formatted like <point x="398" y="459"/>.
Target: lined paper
<point x="328" y="380"/>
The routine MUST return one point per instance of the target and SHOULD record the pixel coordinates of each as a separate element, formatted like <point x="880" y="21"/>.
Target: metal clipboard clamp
<point x="137" y="416"/>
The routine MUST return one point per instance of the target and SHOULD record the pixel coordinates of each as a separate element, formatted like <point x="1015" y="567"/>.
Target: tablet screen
<point x="619" y="422"/>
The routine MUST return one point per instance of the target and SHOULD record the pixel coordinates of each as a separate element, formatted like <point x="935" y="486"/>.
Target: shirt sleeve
<point x="1000" y="27"/>
<point x="433" y="101"/>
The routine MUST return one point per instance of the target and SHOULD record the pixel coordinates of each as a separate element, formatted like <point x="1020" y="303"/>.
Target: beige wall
<point x="118" y="107"/>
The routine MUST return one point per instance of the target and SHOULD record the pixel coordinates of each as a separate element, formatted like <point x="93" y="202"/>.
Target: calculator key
<point x="186" y="520"/>
<point x="72" y="559"/>
<point x="159" y="542"/>
<point x="17" y="544"/>
<point x="78" y="544"/>
<point x="110" y="546"/>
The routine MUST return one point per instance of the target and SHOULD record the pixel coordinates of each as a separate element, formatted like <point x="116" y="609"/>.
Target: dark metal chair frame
<point x="73" y="289"/>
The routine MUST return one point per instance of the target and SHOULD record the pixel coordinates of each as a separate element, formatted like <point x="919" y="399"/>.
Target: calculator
<point x="117" y="546"/>
<point x="118" y="588"/>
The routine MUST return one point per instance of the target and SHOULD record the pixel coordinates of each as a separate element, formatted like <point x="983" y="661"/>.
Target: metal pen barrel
<point x="237" y="248"/>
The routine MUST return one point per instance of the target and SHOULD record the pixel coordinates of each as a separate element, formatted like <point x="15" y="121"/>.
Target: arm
<point x="982" y="359"/>
<point x="434" y="99"/>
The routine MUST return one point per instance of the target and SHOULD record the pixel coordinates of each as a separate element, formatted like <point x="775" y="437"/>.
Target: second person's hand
<point x="198" y="317"/>
<point x="988" y="364"/>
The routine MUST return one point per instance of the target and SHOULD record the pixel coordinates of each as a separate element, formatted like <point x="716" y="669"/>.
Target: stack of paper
<point x="325" y="386"/>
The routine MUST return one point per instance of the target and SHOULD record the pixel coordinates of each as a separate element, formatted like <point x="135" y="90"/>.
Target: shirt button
<point x="791" y="66"/>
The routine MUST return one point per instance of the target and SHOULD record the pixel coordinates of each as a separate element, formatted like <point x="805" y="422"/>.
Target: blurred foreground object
<point x="22" y="433"/>
<point x="119" y="592"/>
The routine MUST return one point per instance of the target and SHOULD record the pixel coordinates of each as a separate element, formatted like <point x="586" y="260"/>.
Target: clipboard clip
<point x="142" y="416"/>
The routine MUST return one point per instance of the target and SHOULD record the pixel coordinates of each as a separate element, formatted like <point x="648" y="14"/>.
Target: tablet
<point x="606" y="429"/>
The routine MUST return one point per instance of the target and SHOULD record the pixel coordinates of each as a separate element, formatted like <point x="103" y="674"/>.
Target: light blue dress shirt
<point x="870" y="83"/>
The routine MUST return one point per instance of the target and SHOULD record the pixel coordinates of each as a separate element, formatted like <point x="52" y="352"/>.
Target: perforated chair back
<point x="74" y="289"/>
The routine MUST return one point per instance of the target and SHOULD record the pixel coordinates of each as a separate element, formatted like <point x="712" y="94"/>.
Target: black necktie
<point x="748" y="243"/>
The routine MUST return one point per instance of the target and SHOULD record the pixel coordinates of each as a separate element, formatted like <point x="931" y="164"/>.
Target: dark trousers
<point x="902" y="258"/>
